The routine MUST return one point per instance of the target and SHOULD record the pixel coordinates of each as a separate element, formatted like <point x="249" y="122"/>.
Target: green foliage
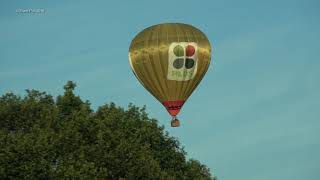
<point x="45" y="139"/>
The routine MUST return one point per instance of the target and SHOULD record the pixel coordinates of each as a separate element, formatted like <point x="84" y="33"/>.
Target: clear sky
<point x="255" y="115"/>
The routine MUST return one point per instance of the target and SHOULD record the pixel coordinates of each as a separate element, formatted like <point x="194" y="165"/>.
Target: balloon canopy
<point x="170" y="60"/>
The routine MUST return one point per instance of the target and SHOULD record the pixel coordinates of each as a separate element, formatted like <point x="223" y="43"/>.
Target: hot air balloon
<point x="170" y="60"/>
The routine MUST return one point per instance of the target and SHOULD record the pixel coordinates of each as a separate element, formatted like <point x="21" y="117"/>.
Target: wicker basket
<point x="175" y="123"/>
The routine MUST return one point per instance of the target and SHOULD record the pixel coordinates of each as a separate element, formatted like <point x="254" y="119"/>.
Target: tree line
<point x="42" y="137"/>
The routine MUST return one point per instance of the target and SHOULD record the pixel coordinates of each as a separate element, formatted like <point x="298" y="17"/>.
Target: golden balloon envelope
<point x="170" y="60"/>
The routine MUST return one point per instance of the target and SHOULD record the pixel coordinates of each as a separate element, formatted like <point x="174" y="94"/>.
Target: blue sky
<point x="255" y="115"/>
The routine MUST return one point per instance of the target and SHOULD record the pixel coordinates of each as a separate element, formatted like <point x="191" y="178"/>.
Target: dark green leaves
<point x="45" y="139"/>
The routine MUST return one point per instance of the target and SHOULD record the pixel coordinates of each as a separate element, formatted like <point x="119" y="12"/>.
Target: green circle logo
<point x="178" y="51"/>
<point x="189" y="63"/>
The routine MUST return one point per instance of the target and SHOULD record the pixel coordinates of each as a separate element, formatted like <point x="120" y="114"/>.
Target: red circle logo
<point x="190" y="50"/>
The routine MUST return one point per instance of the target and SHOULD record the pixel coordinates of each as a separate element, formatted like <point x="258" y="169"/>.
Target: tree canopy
<point x="43" y="138"/>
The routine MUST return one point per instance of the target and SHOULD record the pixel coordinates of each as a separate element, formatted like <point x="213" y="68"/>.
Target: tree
<point x="45" y="139"/>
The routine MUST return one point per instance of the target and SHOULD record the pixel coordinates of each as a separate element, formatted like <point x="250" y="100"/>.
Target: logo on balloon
<point x="183" y="58"/>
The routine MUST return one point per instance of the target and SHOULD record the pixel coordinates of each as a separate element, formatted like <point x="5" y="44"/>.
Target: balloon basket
<point x="175" y="122"/>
